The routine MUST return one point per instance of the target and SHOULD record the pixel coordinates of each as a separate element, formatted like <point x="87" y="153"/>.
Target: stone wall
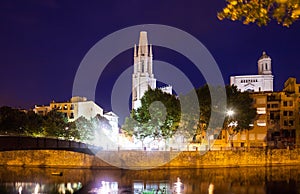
<point x="147" y="159"/>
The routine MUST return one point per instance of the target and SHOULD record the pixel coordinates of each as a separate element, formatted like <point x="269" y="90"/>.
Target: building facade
<point x="77" y="107"/>
<point x="72" y="109"/>
<point x="277" y="122"/>
<point x="143" y="77"/>
<point x="283" y="115"/>
<point x="263" y="82"/>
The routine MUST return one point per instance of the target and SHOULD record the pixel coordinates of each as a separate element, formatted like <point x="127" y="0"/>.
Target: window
<point x="266" y="66"/>
<point x="285" y="123"/>
<point x="290" y="103"/>
<point x="66" y="115"/>
<point x="284" y="103"/>
<point x="291" y="122"/>
<point x="291" y="113"/>
<point x="72" y="116"/>
<point x="285" y="113"/>
<point x="274" y="106"/>
<point x="261" y="110"/>
<point x="143" y="68"/>
<point x="65" y="107"/>
<point x="72" y="107"/>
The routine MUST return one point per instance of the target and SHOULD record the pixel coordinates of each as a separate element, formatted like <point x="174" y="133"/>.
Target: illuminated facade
<point x="73" y="109"/>
<point x="263" y="82"/>
<point x="277" y="122"/>
<point x="284" y="115"/>
<point x="143" y="77"/>
<point x="77" y="107"/>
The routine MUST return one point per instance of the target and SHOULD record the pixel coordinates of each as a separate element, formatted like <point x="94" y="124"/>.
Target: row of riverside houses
<point x="277" y="122"/>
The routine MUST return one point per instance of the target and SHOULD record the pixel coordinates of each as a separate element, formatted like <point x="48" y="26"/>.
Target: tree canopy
<point x="160" y="114"/>
<point x="261" y="12"/>
<point x="158" y="117"/>
<point x="53" y="124"/>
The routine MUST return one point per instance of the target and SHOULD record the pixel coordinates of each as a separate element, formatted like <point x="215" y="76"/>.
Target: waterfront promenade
<point x="68" y="154"/>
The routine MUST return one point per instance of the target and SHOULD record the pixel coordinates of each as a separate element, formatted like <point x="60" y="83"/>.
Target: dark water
<point x="250" y="180"/>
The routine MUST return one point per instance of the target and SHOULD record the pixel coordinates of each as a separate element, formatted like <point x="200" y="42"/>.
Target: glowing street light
<point x="230" y="113"/>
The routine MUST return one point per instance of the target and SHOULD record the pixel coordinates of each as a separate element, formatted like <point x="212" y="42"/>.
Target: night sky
<point x="42" y="43"/>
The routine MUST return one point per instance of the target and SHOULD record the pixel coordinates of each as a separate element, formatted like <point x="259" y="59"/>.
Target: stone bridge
<point x="11" y="143"/>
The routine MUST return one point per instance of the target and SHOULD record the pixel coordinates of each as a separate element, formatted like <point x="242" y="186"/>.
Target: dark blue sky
<point x="42" y="43"/>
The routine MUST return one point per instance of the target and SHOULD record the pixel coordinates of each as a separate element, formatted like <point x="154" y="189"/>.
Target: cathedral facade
<point x="263" y="82"/>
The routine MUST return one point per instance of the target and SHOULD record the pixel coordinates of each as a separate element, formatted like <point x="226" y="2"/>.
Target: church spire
<point x="134" y="51"/>
<point x="142" y="77"/>
<point x="150" y="54"/>
<point x="143" y="44"/>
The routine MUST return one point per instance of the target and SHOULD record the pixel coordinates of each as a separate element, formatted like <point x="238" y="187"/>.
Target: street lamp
<point x="231" y="124"/>
<point x="230" y="113"/>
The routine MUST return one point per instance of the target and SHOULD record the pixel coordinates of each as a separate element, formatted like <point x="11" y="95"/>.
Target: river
<point x="249" y="180"/>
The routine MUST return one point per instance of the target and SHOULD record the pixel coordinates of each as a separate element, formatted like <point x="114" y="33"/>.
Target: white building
<point x="143" y="77"/>
<point x="73" y="109"/>
<point x="113" y="120"/>
<point x="256" y="83"/>
<point x="77" y="107"/>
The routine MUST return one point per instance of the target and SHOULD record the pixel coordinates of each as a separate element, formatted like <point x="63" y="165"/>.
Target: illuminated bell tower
<point x="264" y="65"/>
<point x="142" y="77"/>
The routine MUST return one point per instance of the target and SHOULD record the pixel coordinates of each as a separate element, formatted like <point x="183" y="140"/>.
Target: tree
<point x="261" y="12"/>
<point x="55" y="124"/>
<point x="157" y="118"/>
<point x="241" y="104"/>
<point x="12" y="121"/>
<point x="208" y="120"/>
<point x="33" y="126"/>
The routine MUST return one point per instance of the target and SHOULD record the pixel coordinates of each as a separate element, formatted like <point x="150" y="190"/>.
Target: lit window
<point x="261" y="111"/>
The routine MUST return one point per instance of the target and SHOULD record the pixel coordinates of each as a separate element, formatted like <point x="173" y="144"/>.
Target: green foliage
<point x="241" y="103"/>
<point x="54" y="124"/>
<point x="158" y="117"/>
<point x="261" y="12"/>
<point x="12" y="121"/>
<point x="152" y="120"/>
<point x="33" y="124"/>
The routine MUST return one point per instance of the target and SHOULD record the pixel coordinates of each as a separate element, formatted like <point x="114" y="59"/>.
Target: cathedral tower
<point x="142" y="77"/>
<point x="264" y="65"/>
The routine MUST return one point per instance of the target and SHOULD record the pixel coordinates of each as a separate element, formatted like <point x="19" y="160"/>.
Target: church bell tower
<point x="142" y="76"/>
<point x="264" y="65"/>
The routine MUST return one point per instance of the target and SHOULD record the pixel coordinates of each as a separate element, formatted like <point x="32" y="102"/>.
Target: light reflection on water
<point x="251" y="180"/>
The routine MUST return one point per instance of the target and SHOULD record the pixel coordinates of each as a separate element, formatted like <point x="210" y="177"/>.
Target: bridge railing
<point x="8" y="143"/>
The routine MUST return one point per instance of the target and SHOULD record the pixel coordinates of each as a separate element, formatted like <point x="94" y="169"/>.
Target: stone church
<point x="143" y="77"/>
<point x="263" y="82"/>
